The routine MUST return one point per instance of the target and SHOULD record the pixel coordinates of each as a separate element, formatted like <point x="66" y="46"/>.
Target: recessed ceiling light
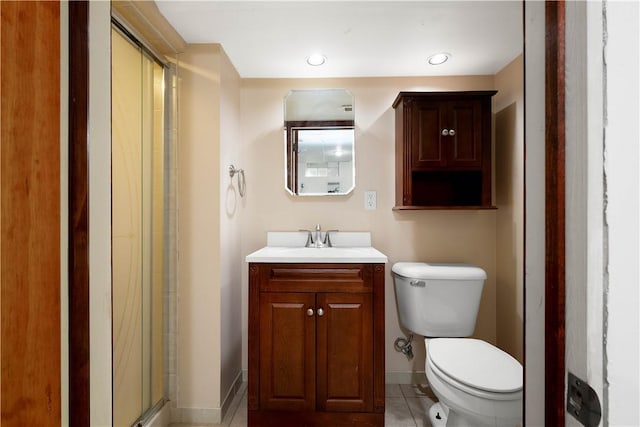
<point x="438" y="58"/>
<point x="316" y="59"/>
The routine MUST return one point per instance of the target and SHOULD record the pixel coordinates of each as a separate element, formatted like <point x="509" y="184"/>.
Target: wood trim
<point x="30" y="214"/>
<point x="256" y="279"/>
<point x="152" y="26"/>
<point x="378" y="275"/>
<point x="79" y="378"/>
<point x="554" y="213"/>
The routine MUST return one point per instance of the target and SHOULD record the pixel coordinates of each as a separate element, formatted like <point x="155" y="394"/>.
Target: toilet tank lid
<point x="441" y="271"/>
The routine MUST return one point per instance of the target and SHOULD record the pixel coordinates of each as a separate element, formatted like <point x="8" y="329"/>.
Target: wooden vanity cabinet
<point x="316" y="344"/>
<point x="443" y="150"/>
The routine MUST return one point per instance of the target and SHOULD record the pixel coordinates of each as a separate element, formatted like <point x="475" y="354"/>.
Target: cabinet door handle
<point x="310" y="312"/>
<point x="320" y="312"/>
<point x="452" y="132"/>
<point x="445" y="132"/>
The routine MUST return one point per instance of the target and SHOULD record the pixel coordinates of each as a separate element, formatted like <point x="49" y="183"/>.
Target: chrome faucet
<point x="318" y="239"/>
<point x="309" y="242"/>
<point x="327" y="239"/>
<point x="315" y="240"/>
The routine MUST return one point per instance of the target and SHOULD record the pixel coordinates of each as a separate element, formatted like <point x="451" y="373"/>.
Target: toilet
<point x="476" y="383"/>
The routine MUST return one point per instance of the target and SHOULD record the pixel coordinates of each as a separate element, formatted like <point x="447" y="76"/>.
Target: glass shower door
<point x="137" y="231"/>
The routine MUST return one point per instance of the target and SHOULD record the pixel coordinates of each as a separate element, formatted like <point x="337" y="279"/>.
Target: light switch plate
<point x="370" y="202"/>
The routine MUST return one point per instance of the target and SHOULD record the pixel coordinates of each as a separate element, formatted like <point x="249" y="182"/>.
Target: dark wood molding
<point x="79" y="378"/>
<point x="554" y="213"/>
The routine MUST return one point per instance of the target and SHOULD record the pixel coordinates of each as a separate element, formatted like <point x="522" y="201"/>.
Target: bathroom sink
<point x="287" y="247"/>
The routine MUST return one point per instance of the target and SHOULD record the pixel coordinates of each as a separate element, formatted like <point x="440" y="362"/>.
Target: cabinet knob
<point x="452" y="132"/>
<point x="310" y="312"/>
<point x="445" y="132"/>
<point x="320" y="312"/>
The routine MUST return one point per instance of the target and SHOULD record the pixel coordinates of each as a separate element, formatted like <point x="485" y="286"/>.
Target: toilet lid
<point x="476" y="364"/>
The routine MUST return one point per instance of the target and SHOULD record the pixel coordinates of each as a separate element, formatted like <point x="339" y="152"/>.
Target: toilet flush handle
<point x="417" y="283"/>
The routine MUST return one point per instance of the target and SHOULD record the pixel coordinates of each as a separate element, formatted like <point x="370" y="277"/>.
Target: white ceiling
<point x="359" y="38"/>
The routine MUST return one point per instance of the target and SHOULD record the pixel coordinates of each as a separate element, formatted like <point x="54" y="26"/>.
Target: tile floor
<point x="407" y="405"/>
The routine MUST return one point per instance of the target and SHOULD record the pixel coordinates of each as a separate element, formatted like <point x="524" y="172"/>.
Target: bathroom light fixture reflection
<point x="438" y="58"/>
<point x="316" y="59"/>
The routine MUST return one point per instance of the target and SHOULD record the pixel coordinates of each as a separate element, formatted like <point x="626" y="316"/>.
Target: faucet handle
<point x="309" y="238"/>
<point x="327" y="238"/>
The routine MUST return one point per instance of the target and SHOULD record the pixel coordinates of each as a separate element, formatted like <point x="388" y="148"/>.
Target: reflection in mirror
<point x="319" y="142"/>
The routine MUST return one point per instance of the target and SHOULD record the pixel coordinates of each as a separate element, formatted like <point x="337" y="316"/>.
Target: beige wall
<point x="208" y="325"/>
<point x="198" y="336"/>
<point x="465" y="236"/>
<point x="231" y="208"/>
<point x="509" y="184"/>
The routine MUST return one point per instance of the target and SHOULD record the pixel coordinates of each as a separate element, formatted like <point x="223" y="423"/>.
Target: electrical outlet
<point x="369" y="200"/>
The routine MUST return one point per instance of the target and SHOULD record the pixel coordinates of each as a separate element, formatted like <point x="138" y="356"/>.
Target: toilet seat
<point x="476" y="367"/>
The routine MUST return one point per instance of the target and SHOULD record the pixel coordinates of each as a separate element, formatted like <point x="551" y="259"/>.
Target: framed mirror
<point x="319" y="142"/>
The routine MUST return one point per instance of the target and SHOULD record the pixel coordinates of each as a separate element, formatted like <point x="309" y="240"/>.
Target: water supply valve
<point x="403" y="345"/>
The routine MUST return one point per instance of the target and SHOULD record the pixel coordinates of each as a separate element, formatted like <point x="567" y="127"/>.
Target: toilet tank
<point x="436" y="299"/>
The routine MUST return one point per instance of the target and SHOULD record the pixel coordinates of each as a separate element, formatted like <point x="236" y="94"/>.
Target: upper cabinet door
<point x="462" y="134"/>
<point x="427" y="148"/>
<point x="446" y="134"/>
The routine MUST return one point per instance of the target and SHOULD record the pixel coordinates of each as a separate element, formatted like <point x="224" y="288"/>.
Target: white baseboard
<point x="207" y="415"/>
<point x="237" y="383"/>
<point x="196" y="415"/>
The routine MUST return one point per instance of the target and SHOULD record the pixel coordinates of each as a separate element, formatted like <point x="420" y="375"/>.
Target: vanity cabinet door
<point x="344" y="352"/>
<point x="287" y="351"/>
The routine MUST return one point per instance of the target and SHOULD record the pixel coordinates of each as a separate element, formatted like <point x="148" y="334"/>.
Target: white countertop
<point x="288" y="247"/>
<point x="280" y="254"/>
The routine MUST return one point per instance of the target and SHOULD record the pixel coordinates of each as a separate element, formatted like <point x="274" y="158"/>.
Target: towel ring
<point x="241" y="180"/>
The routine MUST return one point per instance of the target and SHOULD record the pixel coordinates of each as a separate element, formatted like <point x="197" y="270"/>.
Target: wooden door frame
<point x="78" y="287"/>
<point x="554" y="213"/>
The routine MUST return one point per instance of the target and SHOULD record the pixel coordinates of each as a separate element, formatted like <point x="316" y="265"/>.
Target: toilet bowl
<point x="476" y="383"/>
